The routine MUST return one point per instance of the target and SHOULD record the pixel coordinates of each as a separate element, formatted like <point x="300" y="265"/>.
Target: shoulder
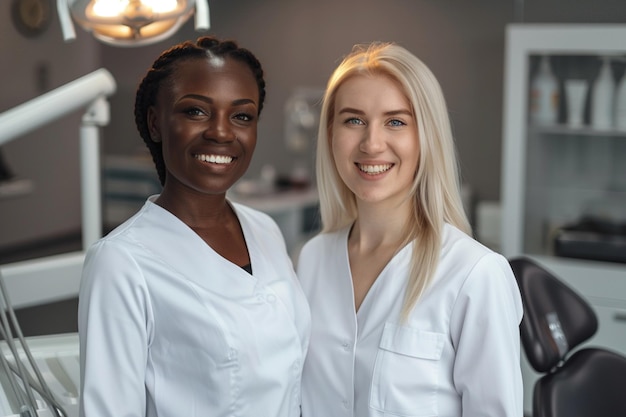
<point x="149" y="213"/>
<point x="120" y="254"/>
<point x="112" y="270"/>
<point x="458" y="241"/>
<point x="478" y="272"/>
<point x="472" y="264"/>
<point x="116" y="243"/>
<point x="321" y="244"/>
<point x="461" y="253"/>
<point x="112" y="253"/>
<point x="321" y="256"/>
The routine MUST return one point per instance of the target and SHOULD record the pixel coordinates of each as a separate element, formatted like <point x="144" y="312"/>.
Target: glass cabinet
<point x="559" y="176"/>
<point x="563" y="189"/>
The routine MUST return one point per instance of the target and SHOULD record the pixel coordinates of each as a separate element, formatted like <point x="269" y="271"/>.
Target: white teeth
<point x="215" y="159"/>
<point x="374" y="169"/>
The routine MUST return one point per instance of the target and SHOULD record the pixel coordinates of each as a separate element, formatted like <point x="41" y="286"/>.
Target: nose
<point x="373" y="140"/>
<point x="219" y="129"/>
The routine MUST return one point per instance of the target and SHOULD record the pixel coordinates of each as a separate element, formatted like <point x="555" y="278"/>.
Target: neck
<point x="380" y="226"/>
<point x="198" y="210"/>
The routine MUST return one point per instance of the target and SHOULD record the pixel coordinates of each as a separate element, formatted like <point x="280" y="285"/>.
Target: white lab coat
<point x="169" y="328"/>
<point x="458" y="354"/>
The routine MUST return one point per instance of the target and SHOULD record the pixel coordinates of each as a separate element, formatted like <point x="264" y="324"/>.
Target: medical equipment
<point x="130" y="22"/>
<point x="62" y="272"/>
<point x="44" y="383"/>
<point x="25" y="389"/>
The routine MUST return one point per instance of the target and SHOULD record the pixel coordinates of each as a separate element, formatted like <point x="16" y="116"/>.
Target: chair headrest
<point x="556" y="319"/>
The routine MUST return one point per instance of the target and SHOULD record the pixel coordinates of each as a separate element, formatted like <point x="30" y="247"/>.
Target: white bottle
<point x="544" y="95"/>
<point x="602" y="98"/>
<point x="620" y="105"/>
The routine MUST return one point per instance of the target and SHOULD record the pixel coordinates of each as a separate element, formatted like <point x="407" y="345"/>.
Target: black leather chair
<point x="588" y="382"/>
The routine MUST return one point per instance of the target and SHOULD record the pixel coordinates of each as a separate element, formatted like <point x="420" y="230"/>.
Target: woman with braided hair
<point x="192" y="307"/>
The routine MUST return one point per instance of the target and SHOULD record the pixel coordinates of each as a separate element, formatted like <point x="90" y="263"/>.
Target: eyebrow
<point x="387" y="113"/>
<point x="238" y="102"/>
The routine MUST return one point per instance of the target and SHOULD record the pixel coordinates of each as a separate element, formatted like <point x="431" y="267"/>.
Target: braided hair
<point x="163" y="68"/>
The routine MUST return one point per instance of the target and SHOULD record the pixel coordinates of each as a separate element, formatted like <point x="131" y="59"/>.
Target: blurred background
<point x="299" y="43"/>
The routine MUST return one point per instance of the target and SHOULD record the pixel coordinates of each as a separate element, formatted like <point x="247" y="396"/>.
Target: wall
<point x="299" y="42"/>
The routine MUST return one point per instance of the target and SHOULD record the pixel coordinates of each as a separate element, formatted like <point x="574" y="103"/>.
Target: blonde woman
<point x="410" y="315"/>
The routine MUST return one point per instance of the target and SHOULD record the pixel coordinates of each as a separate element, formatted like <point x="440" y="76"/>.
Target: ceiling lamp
<point x="130" y="22"/>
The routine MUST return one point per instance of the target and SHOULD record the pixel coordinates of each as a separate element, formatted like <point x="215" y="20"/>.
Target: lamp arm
<point x="53" y="105"/>
<point x="203" y="16"/>
<point x="57" y="277"/>
<point x="88" y="91"/>
<point x="91" y="198"/>
<point x="67" y="27"/>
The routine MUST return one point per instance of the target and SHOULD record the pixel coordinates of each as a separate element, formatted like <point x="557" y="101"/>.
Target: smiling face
<point x="374" y="139"/>
<point x="206" y="118"/>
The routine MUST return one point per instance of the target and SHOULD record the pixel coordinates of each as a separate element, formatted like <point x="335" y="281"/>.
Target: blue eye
<point x="396" y="123"/>
<point x="354" y="121"/>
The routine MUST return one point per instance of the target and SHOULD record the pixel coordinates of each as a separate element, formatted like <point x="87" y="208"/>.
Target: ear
<point x="153" y="126"/>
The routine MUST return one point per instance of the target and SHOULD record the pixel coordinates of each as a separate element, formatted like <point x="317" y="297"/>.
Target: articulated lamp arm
<point x="55" y="104"/>
<point x="89" y="91"/>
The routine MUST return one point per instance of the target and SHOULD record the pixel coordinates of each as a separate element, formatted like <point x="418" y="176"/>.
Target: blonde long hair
<point x="435" y="193"/>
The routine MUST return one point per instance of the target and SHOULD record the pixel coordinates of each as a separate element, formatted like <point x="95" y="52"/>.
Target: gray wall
<point x="299" y="43"/>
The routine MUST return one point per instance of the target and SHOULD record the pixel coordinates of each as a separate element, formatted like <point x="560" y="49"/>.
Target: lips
<point x="215" y="159"/>
<point x="374" y="169"/>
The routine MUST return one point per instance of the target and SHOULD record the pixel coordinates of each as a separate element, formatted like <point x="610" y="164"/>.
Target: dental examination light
<point x="131" y="22"/>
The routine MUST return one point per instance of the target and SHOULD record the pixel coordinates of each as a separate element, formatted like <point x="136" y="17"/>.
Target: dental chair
<point x="585" y="382"/>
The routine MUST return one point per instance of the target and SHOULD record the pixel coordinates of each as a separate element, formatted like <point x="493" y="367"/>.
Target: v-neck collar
<point x="368" y="302"/>
<point x="186" y="252"/>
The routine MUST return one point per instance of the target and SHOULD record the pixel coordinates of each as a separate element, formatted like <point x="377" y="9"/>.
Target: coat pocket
<point x="405" y="381"/>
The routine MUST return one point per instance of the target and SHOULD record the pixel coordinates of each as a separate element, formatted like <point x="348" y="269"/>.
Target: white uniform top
<point x="458" y="354"/>
<point x="169" y="328"/>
